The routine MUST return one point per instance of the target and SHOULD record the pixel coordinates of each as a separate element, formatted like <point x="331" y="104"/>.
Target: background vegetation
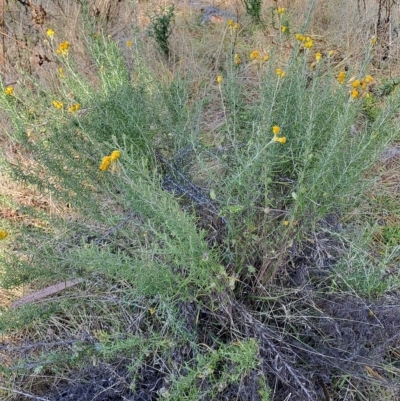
<point x="200" y="202"/>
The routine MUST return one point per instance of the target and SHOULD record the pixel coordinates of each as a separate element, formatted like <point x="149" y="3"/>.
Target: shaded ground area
<point x="306" y="344"/>
<point x="101" y="382"/>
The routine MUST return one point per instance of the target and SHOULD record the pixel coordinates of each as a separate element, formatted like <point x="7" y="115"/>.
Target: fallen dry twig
<point x="45" y="292"/>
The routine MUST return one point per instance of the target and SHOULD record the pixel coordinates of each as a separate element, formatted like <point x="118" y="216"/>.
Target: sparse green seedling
<point x="253" y="9"/>
<point x="161" y="28"/>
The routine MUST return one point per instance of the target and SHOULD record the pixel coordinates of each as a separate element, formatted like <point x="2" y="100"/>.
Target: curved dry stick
<point x="45" y="292"/>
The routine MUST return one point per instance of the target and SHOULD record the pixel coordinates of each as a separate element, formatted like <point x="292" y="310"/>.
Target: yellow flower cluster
<point x="281" y="10"/>
<point x="3" y="234"/>
<point x="283" y="29"/>
<point x="129" y="43"/>
<point x="276" y="130"/>
<point x="280" y="73"/>
<point x="308" y="44"/>
<point x="318" y="57"/>
<point x="63" y="48"/>
<point x="305" y="40"/>
<point x="360" y="87"/>
<point x="74" y="107"/>
<point x="341" y="77"/>
<point x="237" y="59"/>
<point x="50" y="33"/>
<point x="255" y="55"/>
<point x="61" y="72"/>
<point x="107" y="160"/>
<point x="233" y="26"/>
<point x="57" y="104"/>
<point x="9" y="90"/>
<point x="219" y="79"/>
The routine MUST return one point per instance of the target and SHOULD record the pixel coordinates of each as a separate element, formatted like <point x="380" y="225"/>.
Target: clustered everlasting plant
<point x="74" y="107"/>
<point x="57" y="104"/>
<point x="280" y="73"/>
<point x="63" y="49"/>
<point x="107" y="160"/>
<point x="276" y="130"/>
<point x="50" y="33"/>
<point x="341" y="77"/>
<point x="207" y="254"/>
<point x="256" y="56"/>
<point x="306" y="41"/>
<point x="360" y="87"/>
<point x="9" y="90"/>
<point x="233" y="26"/>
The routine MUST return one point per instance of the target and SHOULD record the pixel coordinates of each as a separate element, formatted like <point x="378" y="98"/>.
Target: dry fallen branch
<point x="45" y="292"/>
<point x="33" y="397"/>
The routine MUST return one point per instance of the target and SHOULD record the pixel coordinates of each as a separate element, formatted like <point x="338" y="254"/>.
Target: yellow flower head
<point x="373" y="40"/>
<point x="105" y="163"/>
<point x="266" y="58"/>
<point x="368" y="79"/>
<point x="331" y="53"/>
<point x="281" y="139"/>
<point x="73" y="108"/>
<point x="9" y="90"/>
<point x="254" y="55"/>
<point x="280" y="73"/>
<point x="308" y="44"/>
<point x="341" y="77"/>
<point x="129" y="43"/>
<point x="115" y="155"/>
<point x="283" y="29"/>
<point x="50" y="33"/>
<point x="281" y="10"/>
<point x="318" y="57"/>
<point x="231" y="23"/>
<point x="57" y="104"/>
<point x="286" y="222"/>
<point x="235" y="27"/>
<point x="3" y="234"/>
<point x="276" y="130"/>
<point x="299" y="37"/>
<point x="356" y="83"/>
<point x="219" y="79"/>
<point x="63" y="48"/>
<point x="61" y="72"/>
<point x="237" y="59"/>
<point x="355" y="93"/>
